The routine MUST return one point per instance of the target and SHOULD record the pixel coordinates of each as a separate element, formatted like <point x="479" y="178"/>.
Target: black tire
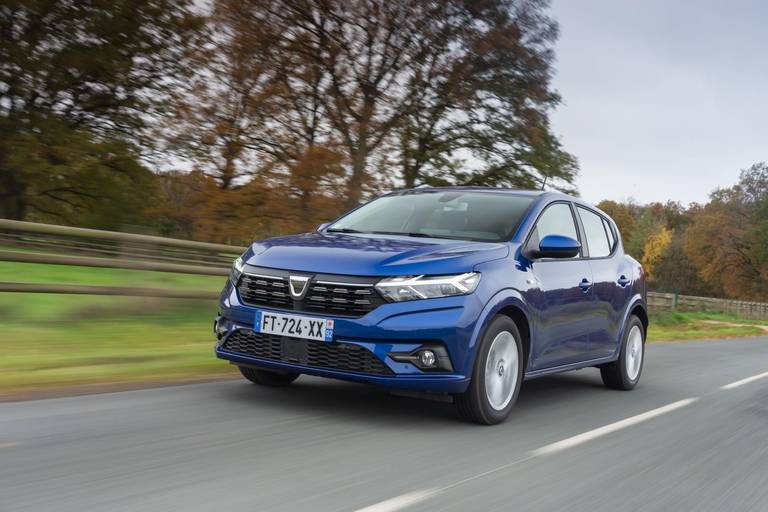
<point x="616" y="375"/>
<point x="268" y="377"/>
<point x="473" y="405"/>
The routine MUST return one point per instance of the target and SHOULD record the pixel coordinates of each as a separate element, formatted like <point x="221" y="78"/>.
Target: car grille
<point x="337" y="356"/>
<point x="331" y="296"/>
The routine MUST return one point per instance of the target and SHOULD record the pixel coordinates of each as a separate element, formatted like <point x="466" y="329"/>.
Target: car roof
<point x="505" y="190"/>
<point x="494" y="190"/>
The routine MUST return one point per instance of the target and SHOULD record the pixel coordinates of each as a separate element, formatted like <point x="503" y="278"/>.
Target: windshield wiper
<point x="414" y="234"/>
<point x="343" y="230"/>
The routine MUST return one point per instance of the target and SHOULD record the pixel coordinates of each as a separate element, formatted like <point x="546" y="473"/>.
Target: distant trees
<point x="300" y="107"/>
<point x="402" y="92"/>
<point x="728" y="239"/>
<point x="290" y="111"/>
<point x="718" y="249"/>
<point x="79" y="83"/>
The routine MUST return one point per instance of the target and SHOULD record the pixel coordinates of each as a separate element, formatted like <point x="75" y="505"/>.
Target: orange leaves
<point x="655" y="248"/>
<point x="297" y="199"/>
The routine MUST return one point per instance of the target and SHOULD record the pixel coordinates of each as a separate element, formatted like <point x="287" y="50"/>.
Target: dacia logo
<point x="298" y="286"/>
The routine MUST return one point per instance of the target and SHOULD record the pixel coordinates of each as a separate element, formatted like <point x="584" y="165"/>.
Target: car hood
<point x="371" y="255"/>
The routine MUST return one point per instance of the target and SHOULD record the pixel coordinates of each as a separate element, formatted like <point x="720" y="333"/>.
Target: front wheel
<point x="624" y="374"/>
<point x="496" y="376"/>
<point x="268" y="378"/>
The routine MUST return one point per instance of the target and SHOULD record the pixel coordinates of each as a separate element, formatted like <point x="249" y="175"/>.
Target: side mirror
<point x="557" y="246"/>
<point x="323" y="226"/>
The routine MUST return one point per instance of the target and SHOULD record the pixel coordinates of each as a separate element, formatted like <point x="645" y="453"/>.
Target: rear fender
<point x="635" y="301"/>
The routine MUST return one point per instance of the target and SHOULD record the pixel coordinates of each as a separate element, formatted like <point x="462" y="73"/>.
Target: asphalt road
<point x="680" y="441"/>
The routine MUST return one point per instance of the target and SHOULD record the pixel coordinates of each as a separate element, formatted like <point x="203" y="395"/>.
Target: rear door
<point x="562" y="296"/>
<point x="610" y="272"/>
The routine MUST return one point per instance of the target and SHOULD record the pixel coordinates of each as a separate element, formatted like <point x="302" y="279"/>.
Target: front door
<point x="561" y="296"/>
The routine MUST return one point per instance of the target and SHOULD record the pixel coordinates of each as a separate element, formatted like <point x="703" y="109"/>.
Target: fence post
<point x="675" y="298"/>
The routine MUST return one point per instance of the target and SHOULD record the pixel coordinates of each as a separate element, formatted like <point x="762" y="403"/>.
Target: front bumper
<point x="391" y="328"/>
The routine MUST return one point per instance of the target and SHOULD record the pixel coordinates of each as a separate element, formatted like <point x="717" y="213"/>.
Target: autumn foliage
<point x="716" y="249"/>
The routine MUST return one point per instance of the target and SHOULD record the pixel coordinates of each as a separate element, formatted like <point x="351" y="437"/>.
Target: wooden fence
<point x="675" y="302"/>
<point x="27" y="242"/>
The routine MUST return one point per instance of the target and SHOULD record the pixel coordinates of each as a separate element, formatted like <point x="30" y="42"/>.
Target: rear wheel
<point x="268" y="377"/>
<point x="496" y="376"/>
<point x="624" y="374"/>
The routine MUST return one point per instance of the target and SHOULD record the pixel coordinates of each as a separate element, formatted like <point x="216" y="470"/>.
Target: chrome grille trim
<point x="263" y="287"/>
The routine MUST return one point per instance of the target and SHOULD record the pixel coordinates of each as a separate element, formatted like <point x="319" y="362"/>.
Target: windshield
<point x="485" y="217"/>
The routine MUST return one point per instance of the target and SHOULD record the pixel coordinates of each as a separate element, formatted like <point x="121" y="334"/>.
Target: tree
<point x="399" y="91"/>
<point x="727" y="240"/>
<point x="79" y="83"/>
<point x="644" y="228"/>
<point x="674" y="272"/>
<point x="491" y="100"/>
<point x="654" y="250"/>
<point x="622" y="214"/>
<point x="65" y="174"/>
<point x="222" y="113"/>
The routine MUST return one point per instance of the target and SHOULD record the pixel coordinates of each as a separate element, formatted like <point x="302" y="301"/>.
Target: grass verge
<point x="677" y="325"/>
<point x="50" y="341"/>
<point x="117" y="340"/>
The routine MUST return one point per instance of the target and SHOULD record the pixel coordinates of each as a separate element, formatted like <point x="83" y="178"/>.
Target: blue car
<point x="463" y="291"/>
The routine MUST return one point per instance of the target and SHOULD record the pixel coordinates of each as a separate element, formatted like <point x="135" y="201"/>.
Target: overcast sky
<point x="662" y="99"/>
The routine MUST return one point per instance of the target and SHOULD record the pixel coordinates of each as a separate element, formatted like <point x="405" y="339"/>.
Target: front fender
<point x="507" y="297"/>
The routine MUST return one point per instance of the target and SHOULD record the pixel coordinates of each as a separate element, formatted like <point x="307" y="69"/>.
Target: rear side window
<point x="611" y="235"/>
<point x="597" y="238"/>
<point x="557" y="219"/>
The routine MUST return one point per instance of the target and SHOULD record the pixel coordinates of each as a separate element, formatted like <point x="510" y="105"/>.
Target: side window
<point x="611" y="235"/>
<point x="597" y="239"/>
<point x="557" y="219"/>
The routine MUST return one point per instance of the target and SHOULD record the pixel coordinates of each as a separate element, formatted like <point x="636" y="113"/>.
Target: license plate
<point x="295" y="326"/>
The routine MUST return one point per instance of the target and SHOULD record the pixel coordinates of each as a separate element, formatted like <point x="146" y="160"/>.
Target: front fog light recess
<point x="399" y="289"/>
<point x="427" y="358"/>
<point x="221" y="327"/>
<point x="430" y="357"/>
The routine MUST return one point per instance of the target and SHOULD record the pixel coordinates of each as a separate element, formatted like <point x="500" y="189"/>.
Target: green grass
<point x="672" y="326"/>
<point x="52" y="342"/>
<point x="78" y="340"/>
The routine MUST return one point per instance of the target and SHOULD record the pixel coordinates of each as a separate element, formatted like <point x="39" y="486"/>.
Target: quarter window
<point x="611" y="235"/>
<point x="597" y="239"/>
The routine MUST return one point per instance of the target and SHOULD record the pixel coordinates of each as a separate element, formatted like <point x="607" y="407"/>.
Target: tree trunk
<point x="357" y="179"/>
<point x="13" y="204"/>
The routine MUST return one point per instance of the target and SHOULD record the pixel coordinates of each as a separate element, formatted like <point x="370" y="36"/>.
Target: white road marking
<point x="608" y="429"/>
<point x="745" y="381"/>
<point x="400" y="502"/>
<point x="406" y="500"/>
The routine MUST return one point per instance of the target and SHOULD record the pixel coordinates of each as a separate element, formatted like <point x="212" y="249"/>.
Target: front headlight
<point x="237" y="270"/>
<point x="398" y="289"/>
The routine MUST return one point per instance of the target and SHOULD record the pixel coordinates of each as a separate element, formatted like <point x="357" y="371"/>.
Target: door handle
<point x="623" y="281"/>
<point x="585" y="285"/>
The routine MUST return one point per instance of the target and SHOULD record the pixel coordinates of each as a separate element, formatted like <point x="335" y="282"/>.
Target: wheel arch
<point x="640" y="311"/>
<point x="521" y="321"/>
<point x="507" y="302"/>
<point x="636" y="307"/>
